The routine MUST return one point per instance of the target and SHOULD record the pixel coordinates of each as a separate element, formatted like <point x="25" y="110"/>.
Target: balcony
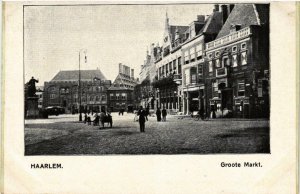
<point x="221" y="72"/>
<point x="243" y="33"/>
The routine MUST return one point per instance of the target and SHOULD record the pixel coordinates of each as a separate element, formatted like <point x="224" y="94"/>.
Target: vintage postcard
<point x="126" y="97"/>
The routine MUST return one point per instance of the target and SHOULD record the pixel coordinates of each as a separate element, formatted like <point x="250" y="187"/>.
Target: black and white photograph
<point x="146" y="79"/>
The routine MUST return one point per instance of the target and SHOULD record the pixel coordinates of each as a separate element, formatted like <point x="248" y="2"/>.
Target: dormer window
<point x="234" y="28"/>
<point x="234" y="49"/>
<point x="210" y="56"/>
<point x="243" y="46"/>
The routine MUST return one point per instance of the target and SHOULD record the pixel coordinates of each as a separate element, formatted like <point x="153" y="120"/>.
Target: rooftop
<point x="73" y="75"/>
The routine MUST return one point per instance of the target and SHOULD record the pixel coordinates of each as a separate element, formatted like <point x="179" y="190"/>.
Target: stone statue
<point x="31" y="87"/>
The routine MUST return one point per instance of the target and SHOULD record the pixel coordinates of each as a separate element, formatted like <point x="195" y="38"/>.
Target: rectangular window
<point x="210" y="66"/>
<point x="192" y="54"/>
<point x="244" y="58"/>
<point x="117" y="96"/>
<point x="167" y="69"/>
<point x="234" y="60"/>
<point x="52" y="96"/>
<point x="123" y="96"/>
<point x="111" y="96"/>
<point x="199" y="51"/>
<point x="103" y="98"/>
<point x="187" y="76"/>
<point x="241" y="88"/>
<point x="193" y="75"/>
<point x="179" y="65"/>
<point x="200" y="69"/>
<point x="174" y="65"/>
<point x="170" y="67"/>
<point x="186" y="57"/>
<point x="215" y="89"/>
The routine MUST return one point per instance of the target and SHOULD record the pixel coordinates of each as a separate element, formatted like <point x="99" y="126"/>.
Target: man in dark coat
<point x="164" y="114"/>
<point x="142" y="114"/>
<point x="158" y="114"/>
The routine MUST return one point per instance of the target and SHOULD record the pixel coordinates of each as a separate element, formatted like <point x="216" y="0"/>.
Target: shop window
<point x="244" y="58"/>
<point x="234" y="60"/>
<point x="241" y="88"/>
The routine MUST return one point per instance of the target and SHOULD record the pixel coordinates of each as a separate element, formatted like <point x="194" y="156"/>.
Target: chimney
<point x="201" y="18"/>
<point x="224" y="13"/>
<point x="216" y="7"/>
<point x="132" y="73"/>
<point x="120" y="68"/>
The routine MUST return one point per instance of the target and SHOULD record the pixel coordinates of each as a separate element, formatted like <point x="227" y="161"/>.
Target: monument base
<point x="32" y="107"/>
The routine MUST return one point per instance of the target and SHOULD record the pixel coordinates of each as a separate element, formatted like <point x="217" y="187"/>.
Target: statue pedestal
<point x="32" y="107"/>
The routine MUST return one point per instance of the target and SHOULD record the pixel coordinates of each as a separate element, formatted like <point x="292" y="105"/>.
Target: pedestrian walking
<point x="164" y="114"/>
<point x="142" y="114"/>
<point x="158" y="114"/>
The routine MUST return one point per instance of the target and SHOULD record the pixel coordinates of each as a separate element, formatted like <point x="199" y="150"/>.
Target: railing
<point x="229" y="38"/>
<point x="221" y="72"/>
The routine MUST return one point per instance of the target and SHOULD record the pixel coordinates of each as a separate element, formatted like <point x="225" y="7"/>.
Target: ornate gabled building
<point x="145" y="90"/>
<point x="120" y="93"/>
<point x="238" y="63"/>
<point x="193" y="65"/>
<point x="168" y="65"/>
<point x="63" y="90"/>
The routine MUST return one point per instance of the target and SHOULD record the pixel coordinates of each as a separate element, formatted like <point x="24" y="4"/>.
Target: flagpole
<point x="79" y="91"/>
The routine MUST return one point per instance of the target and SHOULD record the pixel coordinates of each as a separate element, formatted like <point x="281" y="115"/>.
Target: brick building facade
<point x="121" y="92"/>
<point x="238" y="64"/>
<point x="63" y="91"/>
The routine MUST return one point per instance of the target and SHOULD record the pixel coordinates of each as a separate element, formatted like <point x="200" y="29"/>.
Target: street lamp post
<point x="79" y="86"/>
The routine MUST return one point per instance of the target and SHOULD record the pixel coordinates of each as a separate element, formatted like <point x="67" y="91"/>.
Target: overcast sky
<point x="112" y="34"/>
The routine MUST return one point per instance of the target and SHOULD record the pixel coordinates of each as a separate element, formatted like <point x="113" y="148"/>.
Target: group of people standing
<point x="162" y="113"/>
<point x="143" y="116"/>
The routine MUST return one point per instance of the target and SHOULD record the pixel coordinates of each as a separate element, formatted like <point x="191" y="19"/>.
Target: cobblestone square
<point x="64" y="135"/>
